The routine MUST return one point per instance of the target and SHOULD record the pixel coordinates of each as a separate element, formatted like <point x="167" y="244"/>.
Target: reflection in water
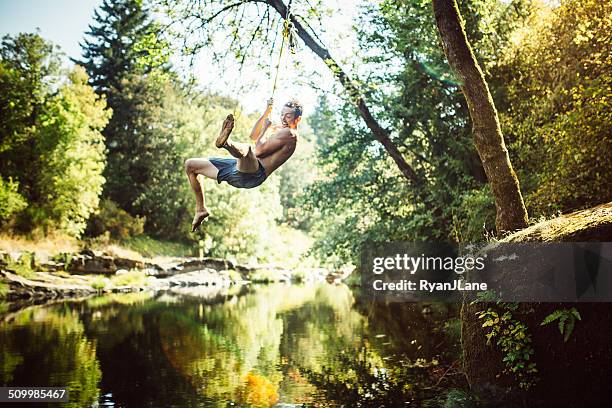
<point x="48" y="347"/>
<point x="248" y="350"/>
<point x="273" y="344"/>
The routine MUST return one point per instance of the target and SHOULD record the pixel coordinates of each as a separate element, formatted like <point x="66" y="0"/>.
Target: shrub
<point x="119" y="224"/>
<point x="11" y="201"/>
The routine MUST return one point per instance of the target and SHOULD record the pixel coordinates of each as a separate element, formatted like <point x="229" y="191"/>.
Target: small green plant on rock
<point x="24" y="266"/>
<point x="4" y="290"/>
<point x="514" y="340"/>
<point x="65" y="258"/>
<point x="99" y="283"/>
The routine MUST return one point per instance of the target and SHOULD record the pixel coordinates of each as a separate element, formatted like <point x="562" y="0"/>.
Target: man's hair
<point x="296" y="106"/>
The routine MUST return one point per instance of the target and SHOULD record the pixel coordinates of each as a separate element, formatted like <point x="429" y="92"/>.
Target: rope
<point x="280" y="56"/>
<point x="289" y="33"/>
<point x="237" y="100"/>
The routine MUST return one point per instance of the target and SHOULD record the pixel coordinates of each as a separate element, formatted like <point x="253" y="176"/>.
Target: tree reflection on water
<point x="315" y="345"/>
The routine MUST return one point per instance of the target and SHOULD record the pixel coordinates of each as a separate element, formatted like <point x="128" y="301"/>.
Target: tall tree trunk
<point x="488" y="138"/>
<point x="380" y="134"/>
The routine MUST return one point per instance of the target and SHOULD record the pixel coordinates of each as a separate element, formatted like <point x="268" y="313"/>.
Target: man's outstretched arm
<point x="262" y="123"/>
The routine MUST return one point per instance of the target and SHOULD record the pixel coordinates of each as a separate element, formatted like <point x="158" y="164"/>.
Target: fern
<point x="552" y="317"/>
<point x="567" y="320"/>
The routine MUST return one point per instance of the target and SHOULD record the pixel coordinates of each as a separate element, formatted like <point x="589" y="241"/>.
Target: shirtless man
<point x="251" y="166"/>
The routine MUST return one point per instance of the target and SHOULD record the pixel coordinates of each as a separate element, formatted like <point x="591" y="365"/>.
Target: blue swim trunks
<point x="228" y="171"/>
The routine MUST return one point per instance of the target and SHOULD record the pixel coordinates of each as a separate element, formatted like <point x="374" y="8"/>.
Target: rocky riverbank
<point x="29" y="275"/>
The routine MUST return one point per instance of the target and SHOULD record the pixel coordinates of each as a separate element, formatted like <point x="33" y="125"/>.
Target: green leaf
<point x="552" y="317"/>
<point x="561" y="325"/>
<point x="568" y="330"/>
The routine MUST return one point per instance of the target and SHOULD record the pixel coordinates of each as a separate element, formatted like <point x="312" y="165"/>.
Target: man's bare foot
<point x="198" y="218"/>
<point x="226" y="130"/>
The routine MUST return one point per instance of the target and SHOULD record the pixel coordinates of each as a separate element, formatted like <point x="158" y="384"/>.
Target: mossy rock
<point x="573" y="373"/>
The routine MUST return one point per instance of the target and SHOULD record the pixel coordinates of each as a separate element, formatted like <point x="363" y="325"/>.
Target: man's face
<point x="287" y="117"/>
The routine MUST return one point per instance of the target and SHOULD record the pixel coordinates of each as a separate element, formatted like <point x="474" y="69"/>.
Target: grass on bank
<point x="51" y="244"/>
<point x="151" y="248"/>
<point x="137" y="247"/>
<point x="133" y="278"/>
<point x="140" y="247"/>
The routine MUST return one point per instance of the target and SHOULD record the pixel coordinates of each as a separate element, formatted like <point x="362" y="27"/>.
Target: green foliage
<point x="234" y="275"/>
<point x="558" y="108"/>
<point x="287" y="246"/>
<point x="153" y="53"/>
<point x="567" y="320"/>
<point x="128" y="62"/>
<point x="64" y="258"/>
<point x="452" y="330"/>
<point x="514" y="340"/>
<point x="54" y="148"/>
<point x="118" y="223"/>
<point x="295" y="177"/>
<point x="72" y="155"/>
<point x="264" y="276"/>
<point x="244" y="221"/>
<point x="474" y="220"/>
<point x="144" y="167"/>
<point x="146" y="174"/>
<point x="123" y="41"/>
<point x="29" y="66"/>
<point x="11" y="201"/>
<point x="363" y="195"/>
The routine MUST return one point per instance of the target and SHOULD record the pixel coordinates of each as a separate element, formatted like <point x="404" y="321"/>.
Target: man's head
<point x="291" y="114"/>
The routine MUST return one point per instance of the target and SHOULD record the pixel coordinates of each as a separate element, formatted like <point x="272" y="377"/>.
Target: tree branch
<point x="381" y="134"/>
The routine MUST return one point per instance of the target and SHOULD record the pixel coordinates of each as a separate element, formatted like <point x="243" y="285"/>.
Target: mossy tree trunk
<point x="488" y="138"/>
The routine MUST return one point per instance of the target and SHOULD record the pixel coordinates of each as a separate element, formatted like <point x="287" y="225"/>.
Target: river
<point x="243" y="346"/>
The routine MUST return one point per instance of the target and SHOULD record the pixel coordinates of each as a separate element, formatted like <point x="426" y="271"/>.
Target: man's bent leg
<point x="249" y="163"/>
<point x="194" y="168"/>
<point x="201" y="166"/>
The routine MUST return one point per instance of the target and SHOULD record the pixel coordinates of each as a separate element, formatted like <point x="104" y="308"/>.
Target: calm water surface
<point x="245" y="346"/>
